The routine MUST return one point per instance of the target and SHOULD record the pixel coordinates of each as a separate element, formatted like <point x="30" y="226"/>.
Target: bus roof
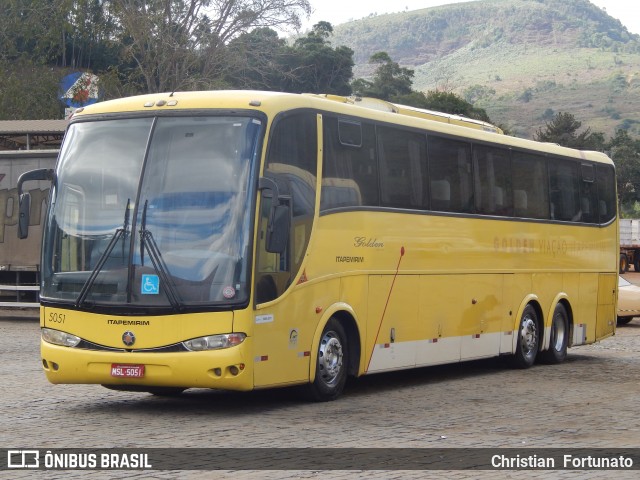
<point x="384" y="106"/>
<point x="271" y="103"/>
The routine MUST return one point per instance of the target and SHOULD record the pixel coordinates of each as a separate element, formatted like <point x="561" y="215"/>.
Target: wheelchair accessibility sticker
<point x="150" y="285"/>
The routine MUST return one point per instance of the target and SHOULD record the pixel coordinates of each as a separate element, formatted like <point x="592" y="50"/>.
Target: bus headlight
<point x="214" y="342"/>
<point x="60" y="338"/>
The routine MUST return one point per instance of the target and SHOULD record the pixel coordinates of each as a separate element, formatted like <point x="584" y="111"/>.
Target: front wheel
<point x="557" y="351"/>
<point x="331" y="364"/>
<point x="528" y="339"/>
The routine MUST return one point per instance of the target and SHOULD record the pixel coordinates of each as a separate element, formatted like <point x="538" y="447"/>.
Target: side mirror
<point x="23" y="215"/>
<point x="279" y="219"/>
<point x="24" y="199"/>
<point x="278" y="229"/>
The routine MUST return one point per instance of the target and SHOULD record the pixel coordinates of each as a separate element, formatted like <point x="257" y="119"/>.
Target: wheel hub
<point x="560" y="334"/>
<point x="330" y="358"/>
<point x="529" y="336"/>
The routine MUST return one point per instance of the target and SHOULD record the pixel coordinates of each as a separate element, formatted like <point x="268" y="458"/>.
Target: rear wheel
<point x="624" y="263"/>
<point x="331" y="364"/>
<point x="624" y="320"/>
<point x="558" y="343"/>
<point x="528" y="339"/>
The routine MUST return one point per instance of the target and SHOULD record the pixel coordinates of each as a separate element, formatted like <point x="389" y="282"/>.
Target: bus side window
<point x="606" y="184"/>
<point x="530" y="182"/>
<point x="564" y="192"/>
<point x="440" y="195"/>
<point x="450" y="161"/>
<point x="350" y="171"/>
<point x="588" y="194"/>
<point x="492" y="179"/>
<point x="402" y="156"/>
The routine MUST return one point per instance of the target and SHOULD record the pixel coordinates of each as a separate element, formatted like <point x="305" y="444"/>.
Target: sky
<point x="341" y="11"/>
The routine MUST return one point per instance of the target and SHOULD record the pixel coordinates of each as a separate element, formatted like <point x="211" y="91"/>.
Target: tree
<point x="310" y="65"/>
<point x="33" y="29"/>
<point x="63" y="33"/>
<point x="563" y="130"/>
<point x="393" y="83"/>
<point x="314" y="66"/>
<point x="88" y="38"/>
<point x="181" y="43"/>
<point x="41" y="41"/>
<point x="28" y="91"/>
<point x="390" y="80"/>
<point x="449" y="102"/>
<point x="478" y="92"/>
<point x="259" y="60"/>
<point x="625" y="153"/>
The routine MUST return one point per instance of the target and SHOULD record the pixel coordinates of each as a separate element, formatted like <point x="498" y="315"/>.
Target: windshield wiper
<point x="117" y="235"/>
<point x="147" y="241"/>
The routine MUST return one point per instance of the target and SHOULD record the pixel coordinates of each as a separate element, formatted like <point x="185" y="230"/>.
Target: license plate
<point x="127" y="371"/>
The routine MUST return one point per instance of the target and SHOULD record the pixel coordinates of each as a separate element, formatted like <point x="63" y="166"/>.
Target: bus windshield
<point x="152" y="212"/>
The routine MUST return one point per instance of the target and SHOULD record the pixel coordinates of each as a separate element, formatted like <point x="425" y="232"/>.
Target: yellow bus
<point x="242" y="240"/>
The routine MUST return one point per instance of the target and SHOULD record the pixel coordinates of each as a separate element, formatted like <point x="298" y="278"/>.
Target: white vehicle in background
<point x="20" y="259"/>
<point x="628" y="301"/>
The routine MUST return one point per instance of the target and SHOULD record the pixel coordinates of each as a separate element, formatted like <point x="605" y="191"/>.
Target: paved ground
<point x="591" y="400"/>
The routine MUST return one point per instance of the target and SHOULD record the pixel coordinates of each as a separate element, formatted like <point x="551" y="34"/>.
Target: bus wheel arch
<point x="560" y="329"/>
<point x="353" y="340"/>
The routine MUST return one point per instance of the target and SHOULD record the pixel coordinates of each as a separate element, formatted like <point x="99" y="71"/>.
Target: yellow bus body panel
<point x="460" y="279"/>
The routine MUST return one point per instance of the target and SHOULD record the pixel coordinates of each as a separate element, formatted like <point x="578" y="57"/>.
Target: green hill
<point x="520" y="60"/>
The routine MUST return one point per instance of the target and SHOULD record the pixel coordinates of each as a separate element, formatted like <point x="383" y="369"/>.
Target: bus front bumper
<point x="228" y="369"/>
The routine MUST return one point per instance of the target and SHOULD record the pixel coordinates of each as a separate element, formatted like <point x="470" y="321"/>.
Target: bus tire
<point x="528" y="339"/>
<point x="624" y="320"/>
<point x="331" y="364"/>
<point x="624" y="263"/>
<point x="559" y="341"/>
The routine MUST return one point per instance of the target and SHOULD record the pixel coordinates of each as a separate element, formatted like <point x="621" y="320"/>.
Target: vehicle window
<point x="292" y="160"/>
<point x="492" y="178"/>
<point x="607" y="205"/>
<point x="530" y="186"/>
<point x="566" y="203"/>
<point x="588" y="194"/>
<point x="402" y="157"/>
<point x="350" y="172"/>
<point x="450" y="179"/>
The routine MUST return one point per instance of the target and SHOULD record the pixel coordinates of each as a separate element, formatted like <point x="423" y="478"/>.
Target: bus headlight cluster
<point x="58" y="337"/>
<point x="214" y="342"/>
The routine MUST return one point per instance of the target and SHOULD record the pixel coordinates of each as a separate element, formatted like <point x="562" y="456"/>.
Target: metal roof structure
<point x="31" y="134"/>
